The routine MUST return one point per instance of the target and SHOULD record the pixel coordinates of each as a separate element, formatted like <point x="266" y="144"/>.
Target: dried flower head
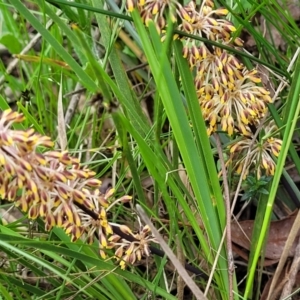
<point x="53" y="186"/>
<point x="260" y="157"/>
<point x="205" y="22"/>
<point x="129" y="252"/>
<point x="100" y="227"/>
<point x="232" y="99"/>
<point x="158" y="10"/>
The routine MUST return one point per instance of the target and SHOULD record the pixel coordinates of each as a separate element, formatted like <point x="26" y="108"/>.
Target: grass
<point x="134" y="125"/>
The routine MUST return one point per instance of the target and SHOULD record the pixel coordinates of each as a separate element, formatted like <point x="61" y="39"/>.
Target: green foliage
<point x="169" y="146"/>
<point x="254" y="187"/>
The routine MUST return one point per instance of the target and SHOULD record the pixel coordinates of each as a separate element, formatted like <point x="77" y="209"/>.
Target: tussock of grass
<point x="139" y="123"/>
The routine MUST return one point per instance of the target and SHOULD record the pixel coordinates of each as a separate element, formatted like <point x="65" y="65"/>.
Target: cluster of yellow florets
<point x="54" y="186"/>
<point x="229" y="95"/>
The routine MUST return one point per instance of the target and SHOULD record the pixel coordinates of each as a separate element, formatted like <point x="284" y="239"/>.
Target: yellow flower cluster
<point x="132" y="251"/>
<point x="260" y="159"/>
<point x="229" y="95"/>
<point x="53" y="186"/>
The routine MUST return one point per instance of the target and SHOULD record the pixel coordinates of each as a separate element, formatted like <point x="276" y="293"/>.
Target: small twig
<point x="137" y="67"/>
<point x="285" y="253"/>
<point x="77" y="91"/>
<point x="180" y="269"/>
<point x="228" y="217"/>
<point x="287" y="290"/>
<point x="73" y="104"/>
<point x="61" y="124"/>
<point x="180" y="281"/>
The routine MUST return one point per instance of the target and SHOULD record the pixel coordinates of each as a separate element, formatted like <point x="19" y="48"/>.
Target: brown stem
<point x="228" y="218"/>
<point x="130" y="238"/>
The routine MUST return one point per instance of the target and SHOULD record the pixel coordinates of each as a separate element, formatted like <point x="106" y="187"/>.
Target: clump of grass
<point x="203" y="95"/>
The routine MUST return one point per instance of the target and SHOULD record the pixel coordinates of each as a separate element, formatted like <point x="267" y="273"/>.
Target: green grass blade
<point x="83" y="77"/>
<point x="90" y="261"/>
<point x="175" y="110"/>
<point x="201" y="137"/>
<point x="294" y="97"/>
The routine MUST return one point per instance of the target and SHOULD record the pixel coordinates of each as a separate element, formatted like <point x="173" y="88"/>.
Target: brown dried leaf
<point x="278" y="233"/>
<point x="281" y="282"/>
<point x="272" y="33"/>
<point x="245" y="255"/>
